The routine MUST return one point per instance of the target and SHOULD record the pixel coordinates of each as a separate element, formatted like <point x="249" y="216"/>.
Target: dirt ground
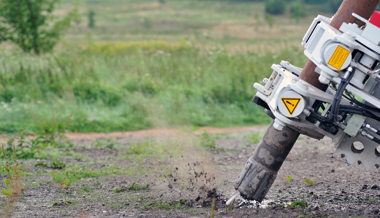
<point x="165" y="173"/>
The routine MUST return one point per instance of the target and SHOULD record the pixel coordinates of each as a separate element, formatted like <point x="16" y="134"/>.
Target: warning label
<point x="339" y="57"/>
<point x="291" y="104"/>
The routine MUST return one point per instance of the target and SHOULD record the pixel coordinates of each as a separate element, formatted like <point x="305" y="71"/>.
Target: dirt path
<point x="161" y="132"/>
<point x="171" y="173"/>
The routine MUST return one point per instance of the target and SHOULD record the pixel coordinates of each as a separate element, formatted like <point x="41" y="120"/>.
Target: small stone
<point x="104" y="211"/>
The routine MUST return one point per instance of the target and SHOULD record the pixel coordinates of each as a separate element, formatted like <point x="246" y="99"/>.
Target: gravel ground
<point x="183" y="183"/>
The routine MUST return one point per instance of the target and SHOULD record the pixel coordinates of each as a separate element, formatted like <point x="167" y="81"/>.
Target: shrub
<point x="275" y="7"/>
<point x="207" y="141"/>
<point x="91" y="19"/>
<point x="297" y="10"/>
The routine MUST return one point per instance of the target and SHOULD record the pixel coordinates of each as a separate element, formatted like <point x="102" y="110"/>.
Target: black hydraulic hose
<point x="376" y="140"/>
<point x="360" y="111"/>
<point x="317" y="116"/>
<point x="339" y="93"/>
<point x="346" y="109"/>
<point x="369" y="107"/>
<point x="377" y="132"/>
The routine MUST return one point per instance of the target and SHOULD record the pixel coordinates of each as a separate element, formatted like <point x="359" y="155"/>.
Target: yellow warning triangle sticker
<point x="291" y="104"/>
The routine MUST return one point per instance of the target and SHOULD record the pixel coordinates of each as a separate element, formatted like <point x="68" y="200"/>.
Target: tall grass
<point x="105" y="87"/>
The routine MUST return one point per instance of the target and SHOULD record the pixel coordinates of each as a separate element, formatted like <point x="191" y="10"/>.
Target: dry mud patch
<point x="172" y="175"/>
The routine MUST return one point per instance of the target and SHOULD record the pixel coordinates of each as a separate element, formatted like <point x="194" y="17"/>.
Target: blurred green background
<point x="137" y="64"/>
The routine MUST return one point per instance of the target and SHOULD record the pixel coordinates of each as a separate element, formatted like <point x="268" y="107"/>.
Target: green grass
<point x="75" y="174"/>
<point x="130" y="86"/>
<point x="119" y="77"/>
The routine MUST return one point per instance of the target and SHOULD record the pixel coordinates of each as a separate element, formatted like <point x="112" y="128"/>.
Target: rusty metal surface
<point x="261" y="169"/>
<point x="275" y="147"/>
<point x="364" y="8"/>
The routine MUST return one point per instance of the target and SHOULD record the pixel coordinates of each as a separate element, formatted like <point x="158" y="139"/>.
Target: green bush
<point x="275" y="7"/>
<point x="297" y="10"/>
<point x="91" y="19"/>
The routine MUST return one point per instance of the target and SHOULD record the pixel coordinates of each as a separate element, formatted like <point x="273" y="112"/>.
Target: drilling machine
<point x="337" y="94"/>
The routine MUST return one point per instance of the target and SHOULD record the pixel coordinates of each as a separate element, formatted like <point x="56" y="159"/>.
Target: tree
<point x="31" y="24"/>
<point x="91" y="19"/>
<point x="275" y="7"/>
<point x="297" y="10"/>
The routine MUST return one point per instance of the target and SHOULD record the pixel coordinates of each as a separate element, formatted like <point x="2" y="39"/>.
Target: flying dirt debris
<point x="322" y="99"/>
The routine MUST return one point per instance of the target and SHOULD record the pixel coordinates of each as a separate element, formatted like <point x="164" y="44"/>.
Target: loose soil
<point x="185" y="182"/>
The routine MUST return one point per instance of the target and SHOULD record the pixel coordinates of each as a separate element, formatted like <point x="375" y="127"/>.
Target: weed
<point x="104" y="144"/>
<point x="179" y="204"/>
<point x="61" y="178"/>
<point x="22" y="151"/>
<point x="136" y="187"/>
<point x="55" y="164"/>
<point x="86" y="188"/>
<point x="206" y="140"/>
<point x="147" y="204"/>
<point x="156" y="205"/>
<point x="62" y="203"/>
<point x="310" y="182"/>
<point x="33" y="148"/>
<point x="301" y="203"/>
<point x="15" y="186"/>
<point x="117" y="189"/>
<point x="51" y="126"/>
<point x="289" y="178"/>
<point x="136" y="148"/>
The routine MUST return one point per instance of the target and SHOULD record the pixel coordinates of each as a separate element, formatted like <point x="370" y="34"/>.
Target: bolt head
<point x="278" y="126"/>
<point x="323" y="79"/>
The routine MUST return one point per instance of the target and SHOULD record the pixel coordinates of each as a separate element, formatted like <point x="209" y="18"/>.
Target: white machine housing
<point x="337" y="54"/>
